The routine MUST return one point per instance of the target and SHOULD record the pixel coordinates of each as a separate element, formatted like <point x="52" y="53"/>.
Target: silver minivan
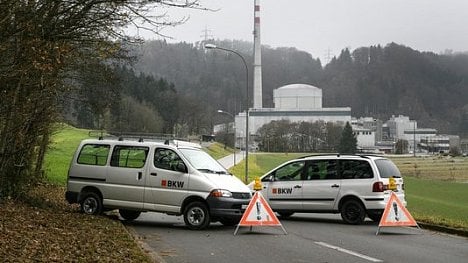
<point x="139" y="176"/>
<point x="352" y="185"/>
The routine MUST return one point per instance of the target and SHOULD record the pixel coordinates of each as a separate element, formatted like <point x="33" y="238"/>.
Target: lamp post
<point x="414" y="138"/>
<point x="234" y="127"/>
<point x="211" y="46"/>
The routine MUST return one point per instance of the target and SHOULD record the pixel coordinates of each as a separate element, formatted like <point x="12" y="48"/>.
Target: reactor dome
<point x="297" y="96"/>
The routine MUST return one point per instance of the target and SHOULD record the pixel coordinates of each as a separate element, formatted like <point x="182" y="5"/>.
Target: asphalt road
<point x="310" y="238"/>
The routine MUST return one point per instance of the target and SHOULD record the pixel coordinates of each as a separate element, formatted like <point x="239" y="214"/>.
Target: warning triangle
<point x="396" y="214"/>
<point x="259" y="213"/>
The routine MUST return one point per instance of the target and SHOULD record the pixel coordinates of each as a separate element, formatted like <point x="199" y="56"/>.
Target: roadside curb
<point x="154" y="256"/>
<point x="444" y="229"/>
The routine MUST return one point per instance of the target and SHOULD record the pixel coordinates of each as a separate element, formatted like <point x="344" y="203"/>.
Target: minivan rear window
<point x="94" y="154"/>
<point x="387" y="168"/>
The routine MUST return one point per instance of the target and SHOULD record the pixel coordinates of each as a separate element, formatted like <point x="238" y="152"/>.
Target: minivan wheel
<point x="353" y="212"/>
<point x="129" y="214"/>
<point x="196" y="216"/>
<point x="375" y="215"/>
<point x="91" y="204"/>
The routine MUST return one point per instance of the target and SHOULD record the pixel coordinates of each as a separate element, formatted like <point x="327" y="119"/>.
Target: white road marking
<point x="348" y="252"/>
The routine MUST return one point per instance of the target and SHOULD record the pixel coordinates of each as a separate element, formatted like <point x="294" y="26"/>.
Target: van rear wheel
<point x="196" y="216"/>
<point x="129" y="214"/>
<point x="91" y="204"/>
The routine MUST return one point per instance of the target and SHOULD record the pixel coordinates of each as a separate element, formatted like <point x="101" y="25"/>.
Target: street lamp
<point x="211" y="46"/>
<point x="234" y="127"/>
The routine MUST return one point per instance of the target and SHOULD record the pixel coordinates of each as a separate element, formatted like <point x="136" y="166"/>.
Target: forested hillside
<point x="375" y="81"/>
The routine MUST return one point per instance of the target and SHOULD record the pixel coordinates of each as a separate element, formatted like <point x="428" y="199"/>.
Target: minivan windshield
<point x="202" y="161"/>
<point x="387" y="168"/>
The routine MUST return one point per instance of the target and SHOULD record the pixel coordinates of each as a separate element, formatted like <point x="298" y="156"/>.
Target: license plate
<point x="243" y="207"/>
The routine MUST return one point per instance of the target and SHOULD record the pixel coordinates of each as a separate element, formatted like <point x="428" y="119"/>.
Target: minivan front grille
<point x="241" y="195"/>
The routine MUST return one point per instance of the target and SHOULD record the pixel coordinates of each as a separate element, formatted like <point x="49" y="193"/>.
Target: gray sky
<point x="319" y="27"/>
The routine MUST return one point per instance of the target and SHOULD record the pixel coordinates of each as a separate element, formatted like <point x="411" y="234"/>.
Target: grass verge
<point x="218" y="151"/>
<point x="47" y="229"/>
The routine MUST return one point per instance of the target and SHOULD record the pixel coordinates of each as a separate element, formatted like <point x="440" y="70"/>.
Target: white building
<point x="296" y="103"/>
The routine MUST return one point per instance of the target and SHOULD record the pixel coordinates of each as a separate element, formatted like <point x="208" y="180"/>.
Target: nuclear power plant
<point x="294" y="102"/>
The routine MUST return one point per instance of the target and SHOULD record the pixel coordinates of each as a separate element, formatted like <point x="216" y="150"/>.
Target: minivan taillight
<point x="378" y="187"/>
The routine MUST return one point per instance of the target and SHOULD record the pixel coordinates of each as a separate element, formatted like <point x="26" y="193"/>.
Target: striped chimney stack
<point x="257" y="88"/>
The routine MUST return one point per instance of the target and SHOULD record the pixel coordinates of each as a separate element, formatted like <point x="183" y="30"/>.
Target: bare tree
<point x="42" y="43"/>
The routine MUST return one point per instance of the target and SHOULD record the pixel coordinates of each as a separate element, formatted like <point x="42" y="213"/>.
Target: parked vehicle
<point x="352" y="185"/>
<point x="140" y="176"/>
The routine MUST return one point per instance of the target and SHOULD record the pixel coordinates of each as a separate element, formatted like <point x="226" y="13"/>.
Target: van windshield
<point x="387" y="168"/>
<point x="202" y="161"/>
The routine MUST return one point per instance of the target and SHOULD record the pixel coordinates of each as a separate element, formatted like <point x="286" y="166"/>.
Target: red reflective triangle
<point x="259" y="213"/>
<point x="396" y="214"/>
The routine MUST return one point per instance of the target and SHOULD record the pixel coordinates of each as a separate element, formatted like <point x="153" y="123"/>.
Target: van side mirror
<point x="181" y="167"/>
<point x="269" y="178"/>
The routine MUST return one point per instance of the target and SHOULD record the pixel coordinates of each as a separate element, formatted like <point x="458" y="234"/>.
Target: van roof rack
<point x="168" y="139"/>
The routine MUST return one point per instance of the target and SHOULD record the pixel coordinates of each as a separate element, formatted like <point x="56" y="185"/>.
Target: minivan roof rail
<point x="340" y="154"/>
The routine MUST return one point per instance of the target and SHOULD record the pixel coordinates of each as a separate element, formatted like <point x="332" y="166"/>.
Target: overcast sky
<point x="328" y="26"/>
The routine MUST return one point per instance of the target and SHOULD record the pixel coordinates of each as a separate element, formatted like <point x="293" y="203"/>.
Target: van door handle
<point x="153" y="174"/>
<point x="297" y="186"/>
<point x="335" y="186"/>
<point x="140" y="175"/>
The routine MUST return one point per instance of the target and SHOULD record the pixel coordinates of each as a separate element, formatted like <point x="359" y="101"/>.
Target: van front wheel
<point x="91" y="204"/>
<point x="196" y="216"/>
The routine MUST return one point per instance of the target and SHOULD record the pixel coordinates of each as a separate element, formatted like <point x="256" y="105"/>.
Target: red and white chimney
<point x="257" y="86"/>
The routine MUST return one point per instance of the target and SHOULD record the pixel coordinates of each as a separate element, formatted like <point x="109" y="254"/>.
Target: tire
<point x="91" y="204"/>
<point x="129" y="215"/>
<point x="196" y="216"/>
<point x="353" y="212"/>
<point x="229" y="221"/>
<point x="375" y="215"/>
<point x="285" y="214"/>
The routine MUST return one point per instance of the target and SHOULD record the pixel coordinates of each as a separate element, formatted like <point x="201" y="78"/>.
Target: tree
<point x="348" y="141"/>
<point x="401" y="146"/>
<point x="42" y="45"/>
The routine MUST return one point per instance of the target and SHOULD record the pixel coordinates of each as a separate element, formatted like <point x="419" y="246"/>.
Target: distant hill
<point x="375" y="81"/>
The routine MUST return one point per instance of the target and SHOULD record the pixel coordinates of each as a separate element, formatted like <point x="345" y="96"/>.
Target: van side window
<point x="321" y="170"/>
<point x="166" y="159"/>
<point x="94" y="154"/>
<point x="290" y="172"/>
<point x="356" y="169"/>
<point x="129" y="156"/>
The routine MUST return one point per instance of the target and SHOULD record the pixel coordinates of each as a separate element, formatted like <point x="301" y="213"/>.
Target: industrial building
<point x="295" y="103"/>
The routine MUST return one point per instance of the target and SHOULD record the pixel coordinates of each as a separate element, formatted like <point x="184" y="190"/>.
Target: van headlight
<point x="221" y="193"/>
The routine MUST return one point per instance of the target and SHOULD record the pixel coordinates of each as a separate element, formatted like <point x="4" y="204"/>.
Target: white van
<point x="139" y="176"/>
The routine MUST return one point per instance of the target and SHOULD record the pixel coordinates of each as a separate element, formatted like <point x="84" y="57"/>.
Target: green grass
<point x="261" y="163"/>
<point x="217" y="150"/>
<point x="439" y="202"/>
<point x="57" y="160"/>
